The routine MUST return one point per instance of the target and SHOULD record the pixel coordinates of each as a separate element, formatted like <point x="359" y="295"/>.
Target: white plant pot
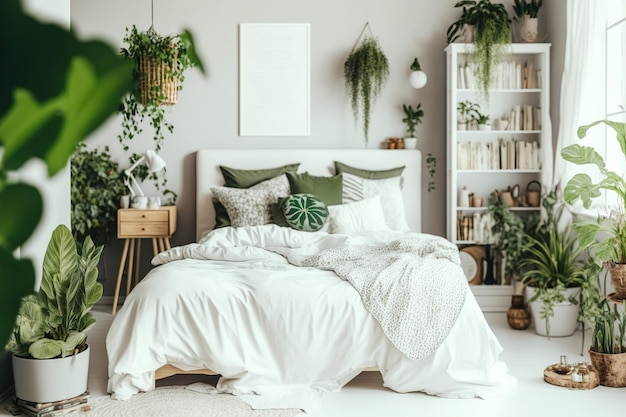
<point x="410" y="143"/>
<point x="565" y="320"/>
<point x="461" y="125"/>
<point x="48" y="380"/>
<point x="528" y="31"/>
<point x="484" y="127"/>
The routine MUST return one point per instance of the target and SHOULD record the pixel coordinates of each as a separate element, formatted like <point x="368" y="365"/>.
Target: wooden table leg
<point x="167" y="243"/>
<point x="154" y="246"/>
<point x="130" y="265"/>
<point x="137" y="261"/>
<point x="119" y="276"/>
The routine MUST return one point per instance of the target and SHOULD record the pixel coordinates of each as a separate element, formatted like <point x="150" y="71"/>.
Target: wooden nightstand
<point x="134" y="225"/>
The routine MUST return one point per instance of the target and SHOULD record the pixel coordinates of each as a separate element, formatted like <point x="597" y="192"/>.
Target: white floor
<point x="525" y="353"/>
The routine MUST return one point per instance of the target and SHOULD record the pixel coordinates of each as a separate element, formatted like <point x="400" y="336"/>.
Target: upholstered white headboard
<point x="315" y="161"/>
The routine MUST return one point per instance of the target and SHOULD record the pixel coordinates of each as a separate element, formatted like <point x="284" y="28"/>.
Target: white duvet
<point x="281" y="335"/>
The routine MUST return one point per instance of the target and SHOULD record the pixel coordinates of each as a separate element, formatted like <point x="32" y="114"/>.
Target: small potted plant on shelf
<point x="491" y="34"/>
<point x="365" y="73"/>
<point x="481" y="119"/>
<point x="527" y="16"/>
<point x="412" y="118"/>
<point x="607" y="351"/>
<point x="52" y="323"/>
<point x="605" y="236"/>
<point x="465" y="109"/>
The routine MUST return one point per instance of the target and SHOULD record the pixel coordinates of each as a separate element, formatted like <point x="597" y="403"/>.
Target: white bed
<point x="259" y="306"/>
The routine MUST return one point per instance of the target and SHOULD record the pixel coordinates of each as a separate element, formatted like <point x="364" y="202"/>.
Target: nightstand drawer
<point x="134" y="229"/>
<point x="136" y="215"/>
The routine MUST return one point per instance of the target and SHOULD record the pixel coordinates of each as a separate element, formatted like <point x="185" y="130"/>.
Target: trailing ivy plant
<point x="492" y="33"/>
<point x="97" y="184"/>
<point x="431" y="165"/>
<point x="365" y="73"/>
<point x="177" y="53"/>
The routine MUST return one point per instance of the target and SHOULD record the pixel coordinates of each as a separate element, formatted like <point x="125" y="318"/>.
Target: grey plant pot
<point x="49" y="380"/>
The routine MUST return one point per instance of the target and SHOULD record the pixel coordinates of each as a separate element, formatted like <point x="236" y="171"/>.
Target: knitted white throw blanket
<point x="414" y="287"/>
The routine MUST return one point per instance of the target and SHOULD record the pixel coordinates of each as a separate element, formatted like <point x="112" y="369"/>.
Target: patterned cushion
<point x="275" y="188"/>
<point x="305" y="212"/>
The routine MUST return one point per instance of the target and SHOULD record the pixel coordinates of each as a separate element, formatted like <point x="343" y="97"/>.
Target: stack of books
<point x="56" y="408"/>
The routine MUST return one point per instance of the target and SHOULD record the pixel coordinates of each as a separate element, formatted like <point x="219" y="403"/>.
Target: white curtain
<point x="583" y="81"/>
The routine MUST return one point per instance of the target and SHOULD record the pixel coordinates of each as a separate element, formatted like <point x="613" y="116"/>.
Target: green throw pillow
<point x="305" y="212"/>
<point x="327" y="189"/>
<point x="278" y="217"/>
<point x="245" y="178"/>
<point x="340" y="167"/>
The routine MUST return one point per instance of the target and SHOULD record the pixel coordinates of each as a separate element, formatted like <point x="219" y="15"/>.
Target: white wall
<point x="206" y="115"/>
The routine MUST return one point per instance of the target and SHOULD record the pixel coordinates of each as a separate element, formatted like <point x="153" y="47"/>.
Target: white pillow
<point x="361" y="216"/>
<point x="390" y="192"/>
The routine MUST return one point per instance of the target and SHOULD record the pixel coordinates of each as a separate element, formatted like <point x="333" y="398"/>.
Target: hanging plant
<point x="365" y="72"/>
<point x="492" y="34"/>
<point x="159" y="63"/>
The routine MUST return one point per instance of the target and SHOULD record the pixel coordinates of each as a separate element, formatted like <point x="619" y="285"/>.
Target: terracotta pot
<point x="610" y="367"/>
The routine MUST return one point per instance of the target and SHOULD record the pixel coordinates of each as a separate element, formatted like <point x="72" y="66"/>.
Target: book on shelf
<point x="500" y="154"/>
<point x="508" y="75"/>
<point x="56" y="408"/>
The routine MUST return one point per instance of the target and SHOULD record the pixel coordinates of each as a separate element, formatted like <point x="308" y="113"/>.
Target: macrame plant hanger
<point x="151" y="30"/>
<point x="371" y="35"/>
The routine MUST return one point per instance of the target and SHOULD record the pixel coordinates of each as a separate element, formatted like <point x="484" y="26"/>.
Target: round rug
<point x="179" y="402"/>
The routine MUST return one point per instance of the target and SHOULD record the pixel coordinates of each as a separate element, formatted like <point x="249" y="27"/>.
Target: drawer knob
<point x="143" y="229"/>
<point x="143" y="216"/>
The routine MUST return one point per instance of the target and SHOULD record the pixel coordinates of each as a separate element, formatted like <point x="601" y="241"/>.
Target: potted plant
<point x="607" y="351"/>
<point x="466" y="109"/>
<point x="412" y="118"/>
<point x="491" y="34"/>
<point x="605" y="236"/>
<point x="481" y="119"/>
<point x="526" y="15"/>
<point x="97" y="183"/>
<point x="52" y="323"/>
<point x="365" y="72"/>
<point x="159" y="64"/>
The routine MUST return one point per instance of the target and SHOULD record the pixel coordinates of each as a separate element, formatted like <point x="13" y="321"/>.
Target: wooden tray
<point x="565" y="381"/>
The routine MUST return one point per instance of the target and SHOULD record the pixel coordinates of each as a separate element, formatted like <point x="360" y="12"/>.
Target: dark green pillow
<point x="245" y="178"/>
<point x="305" y="212"/>
<point x="368" y="173"/>
<point x="278" y="217"/>
<point x="327" y="189"/>
<point x="221" y="215"/>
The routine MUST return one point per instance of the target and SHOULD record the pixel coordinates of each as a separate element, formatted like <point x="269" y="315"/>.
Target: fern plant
<point x="365" y="73"/>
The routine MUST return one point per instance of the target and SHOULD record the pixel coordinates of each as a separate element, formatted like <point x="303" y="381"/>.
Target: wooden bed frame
<point x="314" y="161"/>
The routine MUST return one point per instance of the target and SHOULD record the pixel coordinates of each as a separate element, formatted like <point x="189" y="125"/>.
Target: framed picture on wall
<point x="274" y="79"/>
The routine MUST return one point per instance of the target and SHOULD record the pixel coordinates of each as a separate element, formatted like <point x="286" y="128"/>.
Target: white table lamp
<point x="154" y="163"/>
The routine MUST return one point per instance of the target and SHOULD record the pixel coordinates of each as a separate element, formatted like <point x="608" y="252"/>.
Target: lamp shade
<point x="418" y="79"/>
<point x="153" y="161"/>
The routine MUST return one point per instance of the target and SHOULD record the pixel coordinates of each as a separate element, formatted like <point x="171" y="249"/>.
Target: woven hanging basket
<point x="618" y="279"/>
<point x="155" y="80"/>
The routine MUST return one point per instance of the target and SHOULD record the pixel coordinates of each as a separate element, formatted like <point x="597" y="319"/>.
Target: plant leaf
<point x="17" y="279"/>
<point x="46" y="348"/>
<point x="21" y="206"/>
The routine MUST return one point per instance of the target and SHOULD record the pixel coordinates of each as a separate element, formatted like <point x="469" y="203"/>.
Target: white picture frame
<point x="274" y="79"/>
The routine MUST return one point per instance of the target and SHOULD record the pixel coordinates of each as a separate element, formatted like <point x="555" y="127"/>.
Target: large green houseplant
<point x="97" y="184"/>
<point x="491" y="35"/>
<point x="45" y="111"/>
<point x="52" y="323"/>
<point x="605" y="236"/>
<point x="365" y="73"/>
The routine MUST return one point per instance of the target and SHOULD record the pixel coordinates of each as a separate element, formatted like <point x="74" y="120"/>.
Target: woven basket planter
<point x="618" y="279"/>
<point x="155" y="80"/>
<point x="611" y="368"/>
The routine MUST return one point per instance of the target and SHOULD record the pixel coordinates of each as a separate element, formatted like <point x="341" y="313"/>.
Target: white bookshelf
<point x="472" y="155"/>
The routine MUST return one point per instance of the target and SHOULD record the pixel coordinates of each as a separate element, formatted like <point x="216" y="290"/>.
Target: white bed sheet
<point x="282" y="335"/>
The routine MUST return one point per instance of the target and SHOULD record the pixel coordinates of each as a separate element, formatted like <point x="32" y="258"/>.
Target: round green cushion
<point x="305" y="212"/>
